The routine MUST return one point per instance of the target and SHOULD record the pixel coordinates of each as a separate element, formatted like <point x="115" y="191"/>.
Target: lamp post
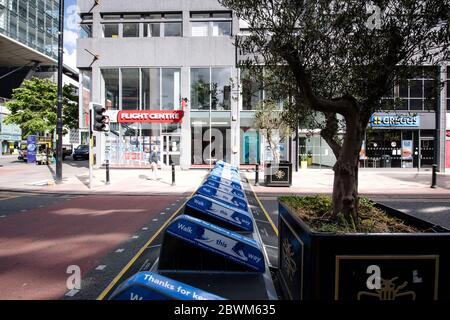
<point x="59" y="123"/>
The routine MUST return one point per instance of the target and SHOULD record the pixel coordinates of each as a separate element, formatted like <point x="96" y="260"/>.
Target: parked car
<point x="81" y="152"/>
<point x="67" y="150"/>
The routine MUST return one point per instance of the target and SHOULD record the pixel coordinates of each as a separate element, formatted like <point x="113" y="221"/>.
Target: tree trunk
<point x="345" y="187"/>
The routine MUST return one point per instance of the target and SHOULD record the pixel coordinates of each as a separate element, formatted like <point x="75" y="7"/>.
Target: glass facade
<point x="32" y="22"/>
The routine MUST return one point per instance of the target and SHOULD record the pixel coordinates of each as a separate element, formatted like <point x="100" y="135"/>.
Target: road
<point x="41" y="235"/>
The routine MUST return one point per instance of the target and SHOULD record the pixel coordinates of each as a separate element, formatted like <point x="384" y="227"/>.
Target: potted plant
<point x="303" y="161"/>
<point x="309" y="158"/>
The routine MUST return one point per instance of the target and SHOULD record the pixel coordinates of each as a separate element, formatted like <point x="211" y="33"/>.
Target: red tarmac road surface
<point x="37" y="247"/>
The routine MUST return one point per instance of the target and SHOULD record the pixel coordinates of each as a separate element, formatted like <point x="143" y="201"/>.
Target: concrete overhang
<point x="13" y="53"/>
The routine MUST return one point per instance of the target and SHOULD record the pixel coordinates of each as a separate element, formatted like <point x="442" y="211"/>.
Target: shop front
<point x="399" y="141"/>
<point x="136" y="133"/>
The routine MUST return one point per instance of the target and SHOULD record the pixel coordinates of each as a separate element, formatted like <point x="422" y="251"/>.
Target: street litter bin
<point x="278" y="174"/>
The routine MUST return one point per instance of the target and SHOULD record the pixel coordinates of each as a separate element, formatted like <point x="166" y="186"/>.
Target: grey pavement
<point x="19" y="176"/>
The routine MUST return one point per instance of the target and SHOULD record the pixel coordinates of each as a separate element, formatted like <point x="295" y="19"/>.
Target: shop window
<point x="252" y="91"/>
<point x="131" y="30"/>
<point x="220" y="89"/>
<point x="111" y="30"/>
<point x="86" y="96"/>
<point x="130" y="89"/>
<point x="170" y="89"/>
<point x="111" y="88"/>
<point x="151" y="89"/>
<point x="200" y="96"/>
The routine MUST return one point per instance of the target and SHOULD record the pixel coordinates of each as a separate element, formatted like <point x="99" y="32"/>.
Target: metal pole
<point x="433" y="177"/>
<point x="59" y="123"/>
<point x="91" y="144"/>
<point x="173" y="174"/>
<point x="257" y="174"/>
<point x="107" y="171"/>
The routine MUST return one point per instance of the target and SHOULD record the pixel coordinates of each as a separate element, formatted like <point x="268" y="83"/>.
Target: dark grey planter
<point x="326" y="266"/>
<point x="278" y="174"/>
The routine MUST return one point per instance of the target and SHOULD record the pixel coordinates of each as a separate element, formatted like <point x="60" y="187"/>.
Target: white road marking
<point x="144" y="228"/>
<point x="120" y="250"/>
<point x="155" y="219"/>
<point x="72" y="292"/>
<point x="135" y="237"/>
<point x="101" y="267"/>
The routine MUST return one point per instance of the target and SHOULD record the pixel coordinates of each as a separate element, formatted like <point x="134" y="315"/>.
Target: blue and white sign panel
<point x="219" y="210"/>
<point x="32" y="144"/>
<point x="231" y="183"/>
<point x="228" y="183"/>
<point x="223" y="197"/>
<point x="226" y="174"/>
<point x="222" y="187"/>
<point x="233" y="246"/>
<point x="226" y="165"/>
<point x="152" y="286"/>
<point x="394" y="121"/>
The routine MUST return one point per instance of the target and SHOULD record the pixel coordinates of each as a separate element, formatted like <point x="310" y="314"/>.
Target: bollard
<point x="257" y="174"/>
<point x="433" y="177"/>
<point x="107" y="171"/>
<point x="173" y="174"/>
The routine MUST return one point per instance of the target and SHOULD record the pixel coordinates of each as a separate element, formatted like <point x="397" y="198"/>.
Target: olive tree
<point x="340" y="58"/>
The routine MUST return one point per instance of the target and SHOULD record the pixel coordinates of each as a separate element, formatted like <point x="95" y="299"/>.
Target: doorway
<point x="171" y="150"/>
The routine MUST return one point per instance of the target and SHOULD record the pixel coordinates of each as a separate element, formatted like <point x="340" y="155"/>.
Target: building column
<point x="235" y="120"/>
<point x="186" y="144"/>
<point x="441" y="114"/>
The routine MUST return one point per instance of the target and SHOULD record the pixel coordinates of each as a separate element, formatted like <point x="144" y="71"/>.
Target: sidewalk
<point x="76" y="181"/>
<point x="387" y="183"/>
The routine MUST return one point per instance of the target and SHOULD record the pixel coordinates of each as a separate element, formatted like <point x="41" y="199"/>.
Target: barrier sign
<point x="224" y="165"/>
<point x="223" y="196"/>
<point x="226" y="174"/>
<point x="221" y="211"/>
<point x="199" y="233"/>
<point x="152" y="286"/>
<point x="222" y="187"/>
<point x="230" y="182"/>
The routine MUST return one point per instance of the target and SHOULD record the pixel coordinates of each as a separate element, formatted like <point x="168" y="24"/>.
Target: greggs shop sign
<point x="394" y="121"/>
<point x="173" y="116"/>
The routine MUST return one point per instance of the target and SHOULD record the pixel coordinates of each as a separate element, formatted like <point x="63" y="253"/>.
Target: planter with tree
<point x="339" y="60"/>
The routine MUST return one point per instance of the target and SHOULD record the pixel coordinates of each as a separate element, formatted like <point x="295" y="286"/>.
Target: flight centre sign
<point x="161" y="116"/>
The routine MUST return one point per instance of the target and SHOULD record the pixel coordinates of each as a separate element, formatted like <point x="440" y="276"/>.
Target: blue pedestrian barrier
<point x="224" y="197"/>
<point x="232" y="183"/>
<point x="152" y="286"/>
<point x="223" y="164"/>
<point x="194" y="243"/>
<point x="226" y="174"/>
<point x="225" y="188"/>
<point x="219" y="213"/>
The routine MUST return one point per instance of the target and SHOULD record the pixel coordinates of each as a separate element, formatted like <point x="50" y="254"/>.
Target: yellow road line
<point x="138" y="254"/>
<point x="264" y="210"/>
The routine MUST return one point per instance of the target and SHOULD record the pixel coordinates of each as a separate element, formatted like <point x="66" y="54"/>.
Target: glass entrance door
<point x="171" y="149"/>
